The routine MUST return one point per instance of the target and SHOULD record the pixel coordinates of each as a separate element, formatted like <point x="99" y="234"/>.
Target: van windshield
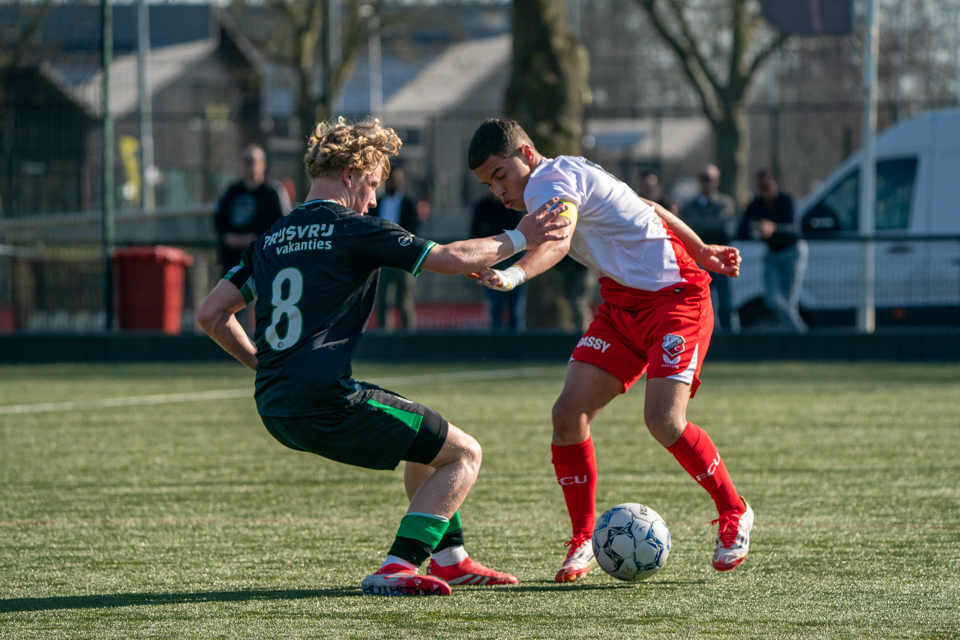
<point x="838" y="210"/>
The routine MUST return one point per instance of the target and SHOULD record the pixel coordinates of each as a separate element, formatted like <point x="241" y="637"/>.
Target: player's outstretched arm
<point x="542" y="227"/>
<point x="712" y="257"/>
<point x="529" y="266"/>
<point x="217" y="319"/>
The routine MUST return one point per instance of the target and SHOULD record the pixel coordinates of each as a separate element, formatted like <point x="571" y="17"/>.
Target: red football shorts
<point x="664" y="333"/>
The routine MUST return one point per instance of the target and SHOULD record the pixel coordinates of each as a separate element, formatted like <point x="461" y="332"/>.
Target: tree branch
<point x="707" y="87"/>
<point x="775" y="45"/>
<point x="15" y="56"/>
<point x="692" y="43"/>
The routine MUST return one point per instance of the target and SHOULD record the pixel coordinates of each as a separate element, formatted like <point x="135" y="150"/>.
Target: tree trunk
<point x="733" y="149"/>
<point x="548" y="77"/>
<point x="308" y="114"/>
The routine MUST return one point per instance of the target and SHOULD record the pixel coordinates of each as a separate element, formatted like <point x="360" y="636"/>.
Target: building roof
<point x="447" y="81"/>
<point x="85" y="83"/>
<point x="667" y="138"/>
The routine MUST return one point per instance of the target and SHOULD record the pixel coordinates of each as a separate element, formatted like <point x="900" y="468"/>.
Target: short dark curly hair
<point x="496" y="137"/>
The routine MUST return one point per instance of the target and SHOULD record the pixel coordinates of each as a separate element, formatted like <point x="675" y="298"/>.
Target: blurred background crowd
<point x="712" y="108"/>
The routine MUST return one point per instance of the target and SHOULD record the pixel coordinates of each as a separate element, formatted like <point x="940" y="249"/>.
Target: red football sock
<point x="576" y="467"/>
<point x="697" y="454"/>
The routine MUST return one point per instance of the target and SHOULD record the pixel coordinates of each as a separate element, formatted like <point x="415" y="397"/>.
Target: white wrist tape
<point x="511" y="278"/>
<point x="518" y="239"/>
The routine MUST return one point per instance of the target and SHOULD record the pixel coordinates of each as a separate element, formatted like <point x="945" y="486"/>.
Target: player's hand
<point x="544" y="225"/>
<point x="720" y="259"/>
<point x="764" y="228"/>
<point x="500" y="280"/>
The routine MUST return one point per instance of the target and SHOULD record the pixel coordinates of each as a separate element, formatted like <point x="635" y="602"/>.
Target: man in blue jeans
<point x="771" y="217"/>
<point x="713" y="216"/>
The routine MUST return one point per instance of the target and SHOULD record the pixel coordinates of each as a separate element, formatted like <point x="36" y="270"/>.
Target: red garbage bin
<point x="150" y="287"/>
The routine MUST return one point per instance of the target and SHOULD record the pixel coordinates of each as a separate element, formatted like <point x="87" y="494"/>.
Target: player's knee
<point x="564" y="416"/>
<point x="472" y="455"/>
<point x="666" y="427"/>
<point x="570" y="423"/>
<point x="468" y="452"/>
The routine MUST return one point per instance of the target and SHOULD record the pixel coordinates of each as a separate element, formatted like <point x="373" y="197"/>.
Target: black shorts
<point x="380" y="432"/>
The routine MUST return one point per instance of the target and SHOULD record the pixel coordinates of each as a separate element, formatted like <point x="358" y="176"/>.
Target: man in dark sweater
<point x="248" y="207"/>
<point x="490" y="217"/>
<point x="771" y="217"/>
<point x="713" y="216"/>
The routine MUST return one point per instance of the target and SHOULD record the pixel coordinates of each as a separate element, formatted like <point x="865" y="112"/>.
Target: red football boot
<point x="469" y="572"/>
<point x="397" y="580"/>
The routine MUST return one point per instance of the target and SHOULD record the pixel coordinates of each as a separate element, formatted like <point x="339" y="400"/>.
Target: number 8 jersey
<point x="314" y="275"/>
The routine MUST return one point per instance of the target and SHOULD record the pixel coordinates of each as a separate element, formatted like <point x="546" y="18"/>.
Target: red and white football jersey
<point x="618" y="234"/>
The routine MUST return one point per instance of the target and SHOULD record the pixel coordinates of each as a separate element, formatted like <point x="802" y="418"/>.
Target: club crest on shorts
<point x="673" y="344"/>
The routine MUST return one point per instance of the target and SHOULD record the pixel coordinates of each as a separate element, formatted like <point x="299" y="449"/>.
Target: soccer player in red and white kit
<point x="656" y="318"/>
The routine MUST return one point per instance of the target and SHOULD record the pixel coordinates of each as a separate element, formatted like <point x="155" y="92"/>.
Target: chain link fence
<point x="52" y="263"/>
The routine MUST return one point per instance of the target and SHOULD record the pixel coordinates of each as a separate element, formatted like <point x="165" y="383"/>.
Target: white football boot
<point x="733" y="540"/>
<point x="580" y="560"/>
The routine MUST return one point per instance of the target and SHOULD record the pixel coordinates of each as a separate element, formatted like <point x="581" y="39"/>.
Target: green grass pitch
<point x="187" y="520"/>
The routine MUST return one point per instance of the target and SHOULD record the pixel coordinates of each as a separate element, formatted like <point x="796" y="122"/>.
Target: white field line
<point x="247" y="392"/>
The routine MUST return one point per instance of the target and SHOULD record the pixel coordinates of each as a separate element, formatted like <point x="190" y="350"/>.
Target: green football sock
<point x="418" y="535"/>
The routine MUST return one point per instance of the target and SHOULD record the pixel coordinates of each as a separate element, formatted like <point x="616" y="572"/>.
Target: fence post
<point x="108" y="221"/>
<point x="866" y="307"/>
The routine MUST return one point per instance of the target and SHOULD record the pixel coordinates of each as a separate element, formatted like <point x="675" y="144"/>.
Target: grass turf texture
<point x="189" y="520"/>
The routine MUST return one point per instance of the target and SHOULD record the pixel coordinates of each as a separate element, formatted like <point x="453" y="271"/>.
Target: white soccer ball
<point x="631" y="542"/>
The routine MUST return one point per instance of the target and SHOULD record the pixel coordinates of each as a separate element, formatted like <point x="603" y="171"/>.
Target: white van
<point x="918" y="209"/>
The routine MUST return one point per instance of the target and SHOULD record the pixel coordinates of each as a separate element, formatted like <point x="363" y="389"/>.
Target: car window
<point x="895" y="179"/>
<point x="838" y="210"/>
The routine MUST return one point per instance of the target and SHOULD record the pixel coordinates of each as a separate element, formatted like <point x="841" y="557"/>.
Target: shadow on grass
<point x="114" y="600"/>
<point x="553" y="587"/>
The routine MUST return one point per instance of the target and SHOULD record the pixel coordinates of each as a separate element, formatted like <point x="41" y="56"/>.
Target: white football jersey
<point x="618" y="234"/>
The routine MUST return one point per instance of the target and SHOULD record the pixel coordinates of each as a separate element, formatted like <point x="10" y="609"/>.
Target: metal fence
<point x="52" y="265"/>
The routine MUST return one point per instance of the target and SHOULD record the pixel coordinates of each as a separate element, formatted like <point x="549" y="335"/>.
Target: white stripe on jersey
<point x="618" y="234"/>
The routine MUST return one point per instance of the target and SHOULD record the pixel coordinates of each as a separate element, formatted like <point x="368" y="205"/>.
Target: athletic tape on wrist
<point x="518" y="239"/>
<point x="513" y="277"/>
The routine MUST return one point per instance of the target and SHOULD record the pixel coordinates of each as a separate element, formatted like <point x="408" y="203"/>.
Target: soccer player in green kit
<point x="314" y="274"/>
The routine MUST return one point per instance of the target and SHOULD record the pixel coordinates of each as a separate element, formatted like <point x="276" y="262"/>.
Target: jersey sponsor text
<point x="594" y="343"/>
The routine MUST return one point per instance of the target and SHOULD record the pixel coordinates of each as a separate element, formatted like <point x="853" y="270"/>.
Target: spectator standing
<point x="649" y="188"/>
<point x="713" y="216"/>
<point x="490" y="218"/>
<point x="396" y="285"/>
<point x="771" y="217"/>
<point x="247" y="208"/>
<point x="578" y="284"/>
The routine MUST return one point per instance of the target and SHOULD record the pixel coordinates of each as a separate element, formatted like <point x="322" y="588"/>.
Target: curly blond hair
<point x="335" y="146"/>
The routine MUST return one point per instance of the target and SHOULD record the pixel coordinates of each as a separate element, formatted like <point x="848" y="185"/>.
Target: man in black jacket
<point x="248" y="207"/>
<point x="713" y="216"/>
<point x="397" y="286"/>
<point x="771" y="217"/>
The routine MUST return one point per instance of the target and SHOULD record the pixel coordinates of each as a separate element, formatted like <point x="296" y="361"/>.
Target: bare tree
<point x="548" y="77"/>
<point x="21" y="31"/>
<point x="720" y="69"/>
<point x="296" y="33"/>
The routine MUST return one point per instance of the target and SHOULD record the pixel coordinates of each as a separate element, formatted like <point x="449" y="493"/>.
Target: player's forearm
<point x="468" y="256"/>
<point x="539" y="260"/>
<point x="226" y="331"/>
